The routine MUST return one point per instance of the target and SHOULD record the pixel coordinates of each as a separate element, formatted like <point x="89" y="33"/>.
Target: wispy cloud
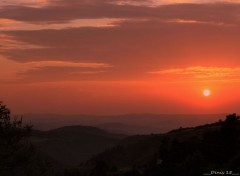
<point x="190" y="21"/>
<point x="49" y="70"/>
<point x="161" y="2"/>
<point x="15" y="25"/>
<point x="66" y="64"/>
<point x="29" y="3"/>
<point x="44" y="3"/>
<point x="155" y="3"/>
<point x="202" y="72"/>
<point x="11" y="43"/>
<point x="69" y="10"/>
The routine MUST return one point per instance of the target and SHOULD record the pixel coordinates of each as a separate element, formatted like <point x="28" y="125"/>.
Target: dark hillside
<point x="74" y="144"/>
<point x="185" y="151"/>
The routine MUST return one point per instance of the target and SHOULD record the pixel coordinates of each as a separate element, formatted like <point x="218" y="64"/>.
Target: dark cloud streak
<point x="52" y="73"/>
<point x="150" y="38"/>
<point x="132" y="41"/>
<point x="69" y="10"/>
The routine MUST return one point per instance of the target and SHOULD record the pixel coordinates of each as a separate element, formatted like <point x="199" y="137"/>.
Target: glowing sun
<point x="206" y="93"/>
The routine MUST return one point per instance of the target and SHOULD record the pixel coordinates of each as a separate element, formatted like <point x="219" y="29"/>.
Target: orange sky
<point x="120" y="56"/>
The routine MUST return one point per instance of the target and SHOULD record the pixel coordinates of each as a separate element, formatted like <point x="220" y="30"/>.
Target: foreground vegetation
<point x="212" y="148"/>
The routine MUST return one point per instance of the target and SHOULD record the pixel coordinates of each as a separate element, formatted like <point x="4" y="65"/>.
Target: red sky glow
<point x="120" y="56"/>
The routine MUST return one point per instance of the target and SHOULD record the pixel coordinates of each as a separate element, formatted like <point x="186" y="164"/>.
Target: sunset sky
<point x="120" y="56"/>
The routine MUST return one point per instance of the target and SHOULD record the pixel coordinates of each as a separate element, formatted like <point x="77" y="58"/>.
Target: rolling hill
<point x="130" y="124"/>
<point x="72" y="145"/>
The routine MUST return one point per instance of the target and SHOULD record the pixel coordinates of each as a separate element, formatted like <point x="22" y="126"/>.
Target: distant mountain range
<point x="90" y="151"/>
<point x="72" y="145"/>
<point x="129" y="124"/>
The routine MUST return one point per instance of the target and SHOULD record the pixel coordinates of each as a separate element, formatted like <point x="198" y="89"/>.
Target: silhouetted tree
<point x="17" y="155"/>
<point x="230" y="127"/>
<point x="14" y="147"/>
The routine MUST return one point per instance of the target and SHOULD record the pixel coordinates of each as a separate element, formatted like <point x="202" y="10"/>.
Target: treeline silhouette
<point x="181" y="152"/>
